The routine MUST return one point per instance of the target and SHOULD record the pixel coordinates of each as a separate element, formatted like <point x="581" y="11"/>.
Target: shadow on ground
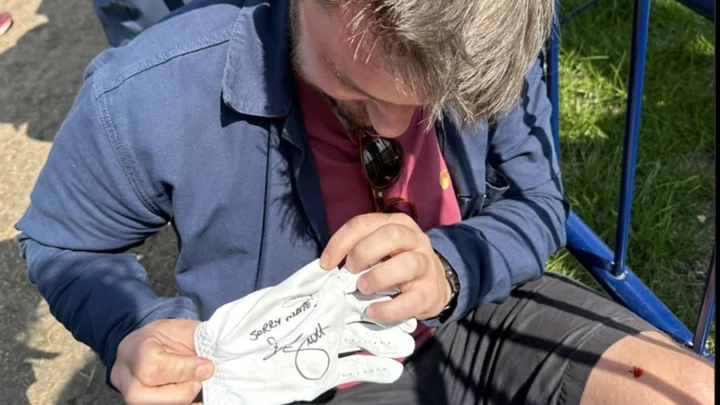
<point x="18" y="308"/>
<point x="43" y="71"/>
<point x="39" y="77"/>
<point x="20" y="305"/>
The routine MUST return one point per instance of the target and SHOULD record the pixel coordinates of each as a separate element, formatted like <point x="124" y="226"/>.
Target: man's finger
<point x="389" y="239"/>
<point x="395" y="271"/>
<point x="405" y="306"/>
<point x="355" y="230"/>
<point x="171" y="394"/>
<point x="168" y="368"/>
<point x="348" y="235"/>
<point x="121" y="377"/>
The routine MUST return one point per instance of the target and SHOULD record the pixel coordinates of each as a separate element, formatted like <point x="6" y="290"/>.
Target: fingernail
<point x="370" y="312"/>
<point x="324" y="259"/>
<point x="203" y="371"/>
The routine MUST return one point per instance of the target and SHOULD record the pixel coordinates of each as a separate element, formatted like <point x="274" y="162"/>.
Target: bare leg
<point x="650" y="369"/>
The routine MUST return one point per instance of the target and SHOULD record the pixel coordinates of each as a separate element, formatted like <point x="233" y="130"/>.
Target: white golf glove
<point x="283" y="343"/>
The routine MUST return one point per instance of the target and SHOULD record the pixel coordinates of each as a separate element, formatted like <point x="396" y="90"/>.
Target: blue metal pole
<point x="594" y="255"/>
<point x="707" y="309"/>
<point x="580" y="8"/>
<point x="641" y="20"/>
<point x="705" y="8"/>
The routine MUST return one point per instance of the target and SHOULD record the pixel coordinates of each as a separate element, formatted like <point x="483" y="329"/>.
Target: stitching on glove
<point x="374" y="342"/>
<point x="206" y="346"/>
<point x="218" y="388"/>
<point x="364" y="372"/>
<point x="216" y="385"/>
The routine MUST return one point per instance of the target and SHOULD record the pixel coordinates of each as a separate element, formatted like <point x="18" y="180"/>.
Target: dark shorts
<point x="536" y="348"/>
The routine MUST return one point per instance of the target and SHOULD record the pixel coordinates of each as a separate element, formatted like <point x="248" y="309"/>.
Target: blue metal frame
<point x="705" y="8"/>
<point x="707" y="310"/>
<point x="641" y="21"/>
<point x="580" y="8"/>
<point x="628" y="290"/>
<point x="608" y="267"/>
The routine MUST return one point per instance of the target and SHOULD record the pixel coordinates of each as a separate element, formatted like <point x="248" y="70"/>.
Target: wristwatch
<point x="454" y="282"/>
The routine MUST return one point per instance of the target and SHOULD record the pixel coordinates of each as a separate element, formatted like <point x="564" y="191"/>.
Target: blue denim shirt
<point x="195" y="122"/>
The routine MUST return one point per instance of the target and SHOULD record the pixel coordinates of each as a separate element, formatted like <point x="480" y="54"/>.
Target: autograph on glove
<point x="294" y="341"/>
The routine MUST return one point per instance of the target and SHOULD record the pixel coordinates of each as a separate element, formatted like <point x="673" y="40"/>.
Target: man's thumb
<point x="179" y="369"/>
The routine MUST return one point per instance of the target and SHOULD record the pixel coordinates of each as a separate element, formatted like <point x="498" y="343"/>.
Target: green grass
<point x="673" y="209"/>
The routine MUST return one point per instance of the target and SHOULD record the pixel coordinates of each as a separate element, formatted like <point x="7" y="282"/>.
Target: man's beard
<point x="352" y="114"/>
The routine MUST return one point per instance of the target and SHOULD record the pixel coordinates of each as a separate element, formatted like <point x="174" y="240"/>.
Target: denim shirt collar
<point x="257" y="79"/>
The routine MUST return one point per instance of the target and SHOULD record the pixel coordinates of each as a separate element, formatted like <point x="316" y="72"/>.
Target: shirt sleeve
<point x="86" y="211"/>
<point x="509" y="242"/>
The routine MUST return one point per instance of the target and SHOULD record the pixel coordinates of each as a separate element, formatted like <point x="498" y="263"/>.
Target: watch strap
<point x="454" y="282"/>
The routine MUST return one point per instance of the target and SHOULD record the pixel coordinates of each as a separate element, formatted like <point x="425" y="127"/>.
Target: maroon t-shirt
<point x="425" y="180"/>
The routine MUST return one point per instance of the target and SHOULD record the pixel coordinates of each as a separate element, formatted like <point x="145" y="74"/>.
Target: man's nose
<point x="390" y="121"/>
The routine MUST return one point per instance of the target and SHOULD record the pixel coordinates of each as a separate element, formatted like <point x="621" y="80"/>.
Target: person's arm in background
<point x="122" y="20"/>
<point x="86" y="210"/>
<point x="511" y="239"/>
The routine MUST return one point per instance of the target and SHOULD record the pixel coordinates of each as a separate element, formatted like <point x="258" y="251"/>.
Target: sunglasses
<point x="383" y="162"/>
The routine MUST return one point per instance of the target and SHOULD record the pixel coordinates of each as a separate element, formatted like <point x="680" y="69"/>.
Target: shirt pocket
<point x="496" y="185"/>
<point x="493" y="189"/>
<point x="468" y="204"/>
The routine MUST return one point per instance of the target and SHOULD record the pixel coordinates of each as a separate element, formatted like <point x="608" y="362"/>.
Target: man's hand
<point x="413" y="266"/>
<point x="156" y="364"/>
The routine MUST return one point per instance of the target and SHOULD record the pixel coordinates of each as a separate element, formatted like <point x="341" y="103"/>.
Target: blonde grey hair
<point x="464" y="56"/>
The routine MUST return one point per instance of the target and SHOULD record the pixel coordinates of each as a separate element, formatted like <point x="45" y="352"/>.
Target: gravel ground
<point x="42" y="58"/>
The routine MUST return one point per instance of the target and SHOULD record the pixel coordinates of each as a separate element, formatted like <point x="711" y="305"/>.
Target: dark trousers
<point x="536" y="348"/>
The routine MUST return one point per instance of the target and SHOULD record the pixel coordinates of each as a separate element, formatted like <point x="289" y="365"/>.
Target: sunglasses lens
<point x="382" y="159"/>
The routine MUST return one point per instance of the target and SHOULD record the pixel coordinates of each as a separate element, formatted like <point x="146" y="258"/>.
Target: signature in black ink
<point x="274" y="323"/>
<point x="299" y="310"/>
<point x="267" y="327"/>
<point x="304" y="345"/>
<point x="292" y="301"/>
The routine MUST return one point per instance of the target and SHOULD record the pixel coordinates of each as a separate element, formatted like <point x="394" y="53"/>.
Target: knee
<point x="669" y="374"/>
<point x="690" y="374"/>
<point x="699" y="384"/>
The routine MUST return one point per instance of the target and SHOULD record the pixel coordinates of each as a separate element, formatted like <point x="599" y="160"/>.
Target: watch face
<point x="450" y="275"/>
